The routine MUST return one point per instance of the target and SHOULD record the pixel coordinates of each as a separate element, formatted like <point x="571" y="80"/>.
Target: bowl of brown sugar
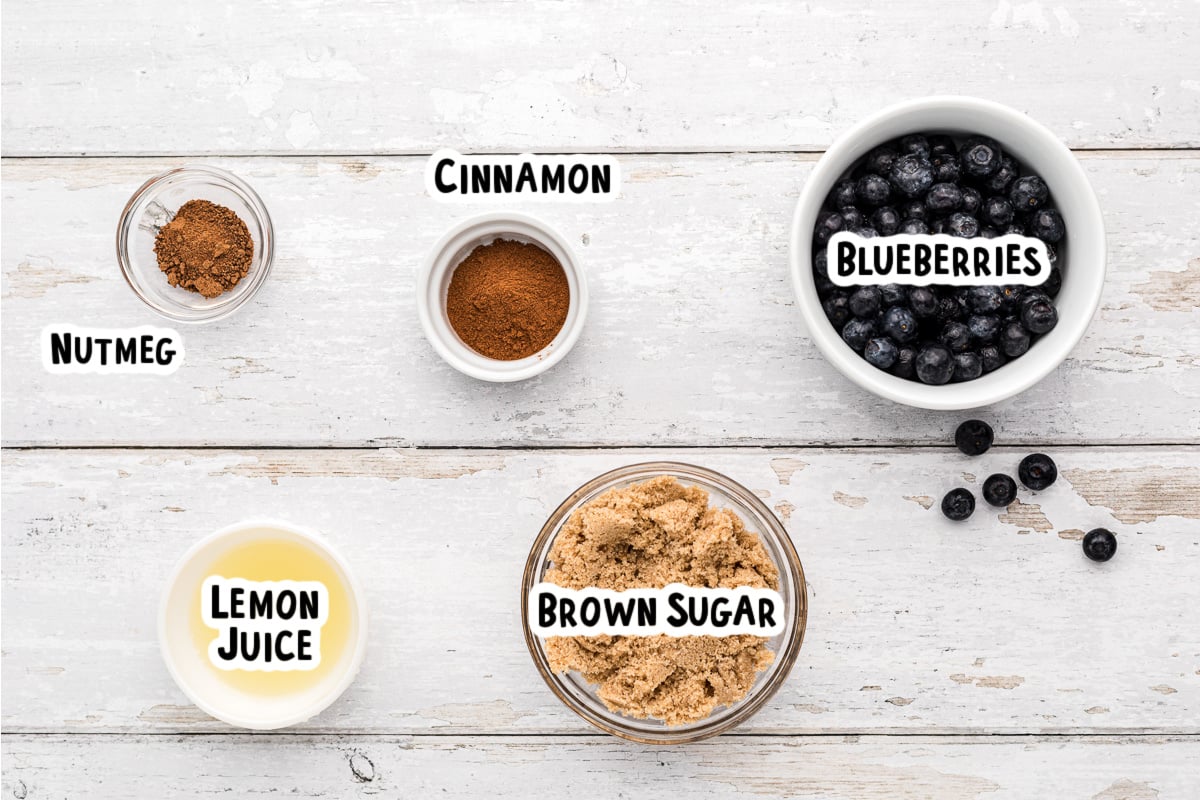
<point x="195" y="243"/>
<point x="648" y="526"/>
<point x="502" y="297"/>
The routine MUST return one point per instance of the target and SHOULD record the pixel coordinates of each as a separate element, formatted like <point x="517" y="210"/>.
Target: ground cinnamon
<point x="507" y="300"/>
<point x="205" y="248"/>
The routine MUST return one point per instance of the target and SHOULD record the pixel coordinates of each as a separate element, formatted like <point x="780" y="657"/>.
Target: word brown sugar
<point x="648" y="535"/>
<point x="205" y="248"/>
<point x="508" y="300"/>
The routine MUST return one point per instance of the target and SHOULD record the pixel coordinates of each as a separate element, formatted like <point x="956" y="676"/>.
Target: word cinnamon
<point x="508" y="300"/>
<point x="205" y="248"/>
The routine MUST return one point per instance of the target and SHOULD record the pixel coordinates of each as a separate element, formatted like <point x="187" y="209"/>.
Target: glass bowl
<point x="581" y="697"/>
<point x="154" y="205"/>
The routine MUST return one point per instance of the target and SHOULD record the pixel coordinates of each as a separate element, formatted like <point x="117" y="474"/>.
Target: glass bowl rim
<point x="785" y="658"/>
<point x="239" y="187"/>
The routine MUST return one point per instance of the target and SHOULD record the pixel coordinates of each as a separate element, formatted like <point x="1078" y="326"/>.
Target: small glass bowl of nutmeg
<point x="195" y="243"/>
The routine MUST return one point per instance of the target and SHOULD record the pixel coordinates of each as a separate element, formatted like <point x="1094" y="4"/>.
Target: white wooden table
<point x="987" y="659"/>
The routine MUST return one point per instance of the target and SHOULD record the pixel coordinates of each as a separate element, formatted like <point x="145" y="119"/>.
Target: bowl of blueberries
<point x="949" y="169"/>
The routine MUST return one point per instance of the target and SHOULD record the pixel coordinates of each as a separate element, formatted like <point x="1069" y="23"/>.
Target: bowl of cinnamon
<point x="502" y="297"/>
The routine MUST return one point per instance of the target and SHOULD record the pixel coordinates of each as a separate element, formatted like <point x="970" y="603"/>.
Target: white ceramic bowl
<point x="1081" y="257"/>
<point x="198" y="679"/>
<point x="434" y="281"/>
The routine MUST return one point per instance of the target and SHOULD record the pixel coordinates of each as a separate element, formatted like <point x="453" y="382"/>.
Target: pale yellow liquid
<point x="278" y="560"/>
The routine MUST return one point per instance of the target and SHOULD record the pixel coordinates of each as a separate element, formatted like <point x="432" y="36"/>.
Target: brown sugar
<point x="205" y="248"/>
<point x="507" y="300"/>
<point x="648" y="535"/>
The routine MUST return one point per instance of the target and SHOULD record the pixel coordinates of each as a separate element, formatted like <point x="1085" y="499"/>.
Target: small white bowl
<point x="434" y="281"/>
<point x="1082" y="258"/>
<point x="200" y="681"/>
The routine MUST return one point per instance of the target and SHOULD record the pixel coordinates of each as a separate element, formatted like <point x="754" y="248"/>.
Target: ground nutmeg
<point x="507" y="300"/>
<point x="205" y="248"/>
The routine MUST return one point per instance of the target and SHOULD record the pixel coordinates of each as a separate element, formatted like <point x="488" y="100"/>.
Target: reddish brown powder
<point x="508" y="300"/>
<point x="205" y="248"/>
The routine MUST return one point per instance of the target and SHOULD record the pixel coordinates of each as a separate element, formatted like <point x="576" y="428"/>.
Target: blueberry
<point x="974" y="437"/>
<point x="967" y="366"/>
<point x="1037" y="471"/>
<point x="1099" y="544"/>
<point x="892" y="294"/>
<point x="866" y="301"/>
<point x="1015" y="227"/>
<point x="913" y="209"/>
<point x="905" y="361"/>
<point x="865" y="232"/>
<point x="958" y="504"/>
<point x="857" y="332"/>
<point x="1010" y="296"/>
<point x="938" y="225"/>
<point x="912" y="175"/>
<point x="989" y="233"/>
<point x="956" y="336"/>
<point x="997" y="211"/>
<point x="981" y="157"/>
<point x="1053" y="283"/>
<point x="914" y="227"/>
<point x="1039" y="315"/>
<point x="823" y="284"/>
<point x="923" y="301"/>
<point x="943" y="198"/>
<point x="886" y="220"/>
<point x="992" y="358"/>
<point x="915" y="144"/>
<point x="999" y="490"/>
<point x="1051" y="251"/>
<point x="945" y="167"/>
<point x="972" y="200"/>
<point x="900" y="324"/>
<point x="985" y="299"/>
<point x="934" y="364"/>
<point x="999" y="183"/>
<point x="881" y="352"/>
<point x="837" y="309"/>
<point x="951" y="308"/>
<point x="1014" y="340"/>
<point x="962" y="225"/>
<point x="880" y="159"/>
<point x="852" y="218"/>
<point x="828" y="223"/>
<point x="843" y="194"/>
<point x="984" y="328"/>
<point x="872" y="190"/>
<point x="1028" y="193"/>
<point x="1047" y="225"/>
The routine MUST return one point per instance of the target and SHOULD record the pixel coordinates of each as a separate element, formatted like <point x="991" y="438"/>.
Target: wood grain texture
<point x="367" y="77"/>
<point x="916" y="624"/>
<point x="693" y="335"/>
<point x="829" y="768"/>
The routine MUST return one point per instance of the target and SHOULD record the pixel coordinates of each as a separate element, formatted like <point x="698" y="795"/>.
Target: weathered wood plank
<point x="401" y="78"/>
<point x="693" y="336"/>
<point x="882" y="767"/>
<point x="916" y="624"/>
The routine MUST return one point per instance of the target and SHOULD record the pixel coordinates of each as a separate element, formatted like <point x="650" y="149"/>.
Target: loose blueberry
<point x="999" y="490"/>
<point x="923" y="301"/>
<point x="1099" y="544"/>
<point x="881" y="159"/>
<point x="915" y="144"/>
<point x="865" y="232"/>
<point x="999" y="183"/>
<point x="941" y="143"/>
<point x="837" y="309"/>
<point x="967" y="366"/>
<point x="866" y="301"/>
<point x="892" y="294"/>
<point x="943" y="198"/>
<point x="958" y="504"/>
<point x="1015" y="227"/>
<point x="981" y="157"/>
<point x="1028" y="193"/>
<point x="1010" y="296"/>
<point x="900" y="324"/>
<point x="857" y="332"/>
<point x="984" y="328"/>
<point x="886" y="220"/>
<point x="828" y="223"/>
<point x="935" y="364"/>
<point x="992" y="358"/>
<point x="985" y="299"/>
<point x="852" y="218"/>
<point x="905" y="365"/>
<point x="912" y="175"/>
<point x="962" y="225"/>
<point x="913" y="227"/>
<point x="872" y="190"/>
<point x="843" y="194"/>
<point x="1053" y="283"/>
<point x="1014" y="340"/>
<point x="945" y="167"/>
<point x="989" y="233"/>
<point x="1037" y="471"/>
<point x="1047" y="225"/>
<point x="950" y="309"/>
<point x="972" y="200"/>
<point x="974" y="437"/>
<point x="1039" y="316"/>
<point x="913" y="209"/>
<point x="881" y="352"/>
<point x="997" y="211"/>
<point x="956" y="336"/>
